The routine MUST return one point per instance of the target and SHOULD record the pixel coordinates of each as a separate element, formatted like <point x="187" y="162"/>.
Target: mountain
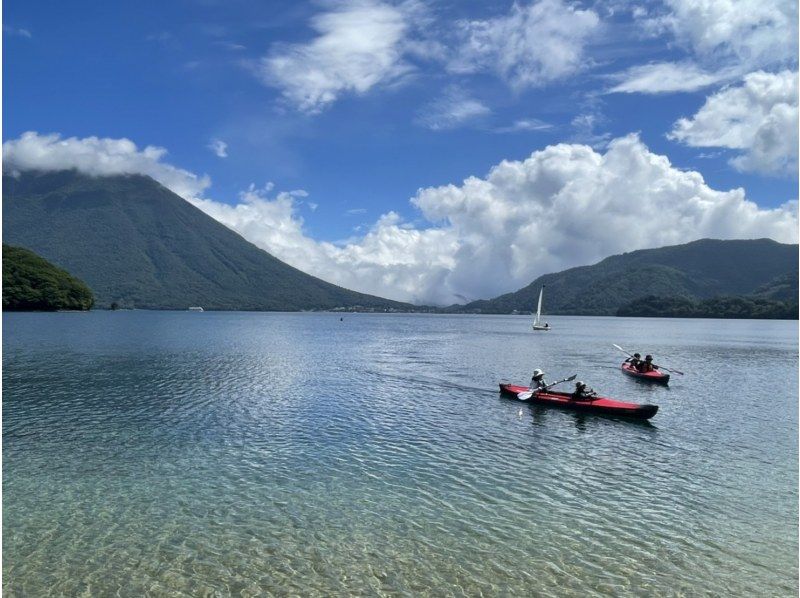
<point x="718" y="307"/>
<point x="137" y="244"/>
<point x="699" y="270"/>
<point x="31" y="282"/>
<point x="781" y="288"/>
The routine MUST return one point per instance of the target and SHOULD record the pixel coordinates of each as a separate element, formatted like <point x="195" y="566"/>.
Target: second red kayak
<point x="599" y="405"/>
<point x="654" y="376"/>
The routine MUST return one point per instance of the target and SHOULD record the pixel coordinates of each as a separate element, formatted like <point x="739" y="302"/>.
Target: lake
<point x="177" y="453"/>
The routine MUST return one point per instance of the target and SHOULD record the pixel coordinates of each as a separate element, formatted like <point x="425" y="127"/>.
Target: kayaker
<point x="634" y="361"/>
<point x="537" y="381"/>
<point x="647" y="364"/>
<point x="582" y="392"/>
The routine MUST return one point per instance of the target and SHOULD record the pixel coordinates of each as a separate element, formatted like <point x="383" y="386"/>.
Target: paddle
<point x="660" y="367"/>
<point x="524" y="396"/>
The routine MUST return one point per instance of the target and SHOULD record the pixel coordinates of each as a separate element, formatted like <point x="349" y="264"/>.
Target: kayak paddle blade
<point x="621" y="349"/>
<point x="524" y="396"/>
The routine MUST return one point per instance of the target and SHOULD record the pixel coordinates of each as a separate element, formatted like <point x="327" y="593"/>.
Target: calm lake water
<point x="149" y="453"/>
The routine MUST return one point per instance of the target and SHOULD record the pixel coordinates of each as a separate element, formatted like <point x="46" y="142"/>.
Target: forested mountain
<point x="699" y="270"/>
<point x="136" y="243"/>
<point x="31" y="282"/>
<point x="718" y="307"/>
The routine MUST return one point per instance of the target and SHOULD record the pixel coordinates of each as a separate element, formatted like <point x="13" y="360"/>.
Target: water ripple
<point x="171" y="454"/>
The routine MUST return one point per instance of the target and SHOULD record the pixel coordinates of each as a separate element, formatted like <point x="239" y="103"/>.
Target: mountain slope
<point x="698" y="270"/>
<point x="31" y="282"/>
<point x="136" y="243"/>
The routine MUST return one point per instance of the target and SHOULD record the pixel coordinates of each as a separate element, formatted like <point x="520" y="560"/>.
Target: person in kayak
<point x="634" y="361"/>
<point x="537" y="381"/>
<point x="647" y="365"/>
<point x="582" y="392"/>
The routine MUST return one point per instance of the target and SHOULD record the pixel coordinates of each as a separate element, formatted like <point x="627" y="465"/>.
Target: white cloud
<point x="524" y="125"/>
<point x="565" y="205"/>
<point x="391" y="260"/>
<point x="359" y="44"/>
<point x="667" y="77"/>
<point x="18" y="31"/>
<point x="99" y="157"/>
<point x="759" y="117"/>
<point x="724" y="39"/>
<point x="453" y="109"/>
<point x="585" y="126"/>
<point x="749" y="32"/>
<point x="530" y="46"/>
<point x="362" y="44"/>
<point x="219" y="147"/>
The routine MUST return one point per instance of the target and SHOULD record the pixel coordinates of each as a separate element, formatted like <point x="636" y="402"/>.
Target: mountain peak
<point x="136" y="243"/>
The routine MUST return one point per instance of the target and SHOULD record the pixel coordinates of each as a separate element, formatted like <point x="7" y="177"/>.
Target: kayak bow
<point x="654" y="376"/>
<point x="597" y="405"/>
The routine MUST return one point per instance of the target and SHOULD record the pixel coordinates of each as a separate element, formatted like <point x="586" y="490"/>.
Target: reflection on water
<point x="239" y="453"/>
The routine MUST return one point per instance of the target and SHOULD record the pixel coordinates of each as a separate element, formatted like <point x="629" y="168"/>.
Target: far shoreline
<point x="382" y="313"/>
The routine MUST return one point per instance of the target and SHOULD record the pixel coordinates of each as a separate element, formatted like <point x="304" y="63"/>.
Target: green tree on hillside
<point x="716" y="307"/>
<point x="32" y="283"/>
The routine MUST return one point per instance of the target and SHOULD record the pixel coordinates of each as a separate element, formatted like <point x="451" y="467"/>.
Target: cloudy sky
<point x="426" y="151"/>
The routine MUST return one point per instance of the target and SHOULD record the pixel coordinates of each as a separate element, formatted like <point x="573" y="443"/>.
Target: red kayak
<point x="654" y="376"/>
<point x="599" y="405"/>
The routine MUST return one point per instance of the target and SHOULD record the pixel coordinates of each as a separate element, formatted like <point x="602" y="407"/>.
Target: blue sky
<point x="360" y="104"/>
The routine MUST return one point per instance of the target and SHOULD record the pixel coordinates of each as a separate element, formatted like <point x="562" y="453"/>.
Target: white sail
<point x="539" y="308"/>
<point x="537" y="325"/>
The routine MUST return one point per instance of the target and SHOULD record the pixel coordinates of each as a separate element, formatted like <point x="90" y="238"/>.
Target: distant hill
<point x="781" y="288"/>
<point x="718" y="307"/>
<point x="699" y="270"/>
<point x="32" y="283"/>
<point x="137" y="244"/>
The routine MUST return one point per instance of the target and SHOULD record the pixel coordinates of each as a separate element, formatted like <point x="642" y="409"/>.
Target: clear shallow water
<point x="150" y="453"/>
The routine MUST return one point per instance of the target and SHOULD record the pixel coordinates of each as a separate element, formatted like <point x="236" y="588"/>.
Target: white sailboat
<point x="537" y="322"/>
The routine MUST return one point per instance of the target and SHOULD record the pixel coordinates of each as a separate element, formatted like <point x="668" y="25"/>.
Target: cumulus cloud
<point x="99" y="157"/>
<point x="759" y="117"/>
<point x="359" y="44"/>
<point x="530" y="46"/>
<point x="724" y="40"/>
<point x="392" y="259"/>
<point x="563" y="206"/>
<point x="219" y="147"/>
<point x="453" y="109"/>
